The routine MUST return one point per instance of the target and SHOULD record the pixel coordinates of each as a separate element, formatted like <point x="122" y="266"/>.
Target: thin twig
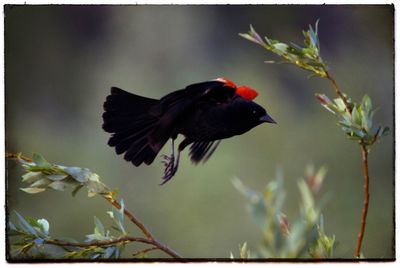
<point x="338" y="92"/>
<point x="102" y="243"/>
<point x="150" y="239"/>
<point x="364" y="152"/>
<point x="144" y="251"/>
<point x="18" y="156"/>
<point x="143" y="228"/>
<point x="364" y="213"/>
<point x="130" y="216"/>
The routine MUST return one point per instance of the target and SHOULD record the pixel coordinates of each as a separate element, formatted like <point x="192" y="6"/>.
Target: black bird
<point x="204" y="113"/>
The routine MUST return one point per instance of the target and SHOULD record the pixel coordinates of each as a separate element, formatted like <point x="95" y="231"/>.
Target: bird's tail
<point x="129" y="117"/>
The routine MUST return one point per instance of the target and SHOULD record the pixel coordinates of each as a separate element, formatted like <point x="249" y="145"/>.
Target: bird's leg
<point x="167" y="159"/>
<point x="169" y="163"/>
<point x="171" y="166"/>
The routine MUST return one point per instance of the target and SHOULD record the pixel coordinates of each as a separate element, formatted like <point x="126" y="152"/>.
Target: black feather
<point x="202" y="150"/>
<point x="131" y="119"/>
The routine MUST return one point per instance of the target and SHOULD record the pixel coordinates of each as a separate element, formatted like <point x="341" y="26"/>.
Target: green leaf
<point x="256" y="202"/>
<point x="96" y="187"/>
<point x="313" y="37"/>
<point x="355" y="116"/>
<point x="243" y="252"/>
<point x="118" y="216"/>
<point x="325" y="102"/>
<point x="385" y="131"/>
<point x="366" y="102"/>
<point x="248" y="37"/>
<point x="40" y="161"/>
<point x="281" y="46"/>
<point x="44" y="226"/>
<point x="58" y="185"/>
<point x="42" y="183"/>
<point x="76" y="189"/>
<point x="32" y="177"/>
<point x="99" y="228"/>
<point x="94" y="237"/>
<point x="25" y="225"/>
<point x="366" y="122"/>
<point x="308" y="203"/>
<point x="33" y="190"/>
<point x="108" y="252"/>
<point x="114" y="193"/>
<point x="340" y="104"/>
<point x="12" y="226"/>
<point x="79" y="174"/>
<point x="57" y="177"/>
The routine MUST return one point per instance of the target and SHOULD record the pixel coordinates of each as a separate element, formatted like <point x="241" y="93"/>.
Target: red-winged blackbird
<point x="204" y="113"/>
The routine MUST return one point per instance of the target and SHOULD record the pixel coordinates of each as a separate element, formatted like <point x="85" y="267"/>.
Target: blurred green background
<point x="62" y="60"/>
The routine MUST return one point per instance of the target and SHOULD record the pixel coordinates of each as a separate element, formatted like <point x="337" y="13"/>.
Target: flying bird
<point x="204" y="113"/>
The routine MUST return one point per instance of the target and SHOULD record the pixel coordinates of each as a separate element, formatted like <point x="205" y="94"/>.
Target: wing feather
<point x="202" y="150"/>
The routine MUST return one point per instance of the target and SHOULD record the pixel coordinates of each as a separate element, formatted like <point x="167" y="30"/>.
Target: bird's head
<point x="243" y="115"/>
<point x="258" y="114"/>
<point x="250" y="111"/>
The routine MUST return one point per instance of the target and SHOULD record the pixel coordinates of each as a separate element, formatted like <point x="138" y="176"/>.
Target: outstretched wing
<point x="202" y="150"/>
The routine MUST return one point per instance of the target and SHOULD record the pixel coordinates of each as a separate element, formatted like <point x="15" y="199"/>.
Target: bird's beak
<point x="267" y="119"/>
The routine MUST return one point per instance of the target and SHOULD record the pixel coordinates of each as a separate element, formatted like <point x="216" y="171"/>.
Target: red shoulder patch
<point x="227" y="82"/>
<point x="246" y="92"/>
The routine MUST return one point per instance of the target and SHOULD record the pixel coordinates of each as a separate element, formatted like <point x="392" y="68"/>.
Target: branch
<point x="364" y="152"/>
<point x="338" y="92"/>
<point x="150" y="239"/>
<point x="364" y="213"/>
<point x="102" y="243"/>
<point x="144" y="251"/>
<point x="356" y="121"/>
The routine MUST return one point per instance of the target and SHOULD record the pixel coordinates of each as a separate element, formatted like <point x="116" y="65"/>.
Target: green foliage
<point x="28" y="234"/>
<point x="30" y="238"/>
<point x="41" y="175"/>
<point x="303" y="237"/>
<point x="357" y="124"/>
<point x="355" y="119"/>
<point x="306" y="57"/>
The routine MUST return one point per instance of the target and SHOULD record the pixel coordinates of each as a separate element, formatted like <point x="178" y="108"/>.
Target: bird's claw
<point x="167" y="161"/>
<point x="166" y="157"/>
<point x="170" y="168"/>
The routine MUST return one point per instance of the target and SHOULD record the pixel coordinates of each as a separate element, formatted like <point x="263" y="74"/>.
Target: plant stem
<point x="150" y="239"/>
<point x="338" y="92"/>
<point x="130" y="216"/>
<point x="98" y="243"/>
<point x="143" y="228"/>
<point x="364" y="213"/>
<point x="155" y="243"/>
<point x="364" y="152"/>
<point x="144" y="251"/>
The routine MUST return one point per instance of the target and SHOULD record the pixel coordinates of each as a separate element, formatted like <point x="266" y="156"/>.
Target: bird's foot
<point x="170" y="168"/>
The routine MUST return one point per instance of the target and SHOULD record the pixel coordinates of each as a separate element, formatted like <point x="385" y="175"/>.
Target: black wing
<point x="202" y="150"/>
<point x="176" y="104"/>
<point x="184" y="98"/>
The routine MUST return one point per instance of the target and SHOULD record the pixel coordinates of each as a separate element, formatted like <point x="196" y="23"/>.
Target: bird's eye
<point x="254" y="111"/>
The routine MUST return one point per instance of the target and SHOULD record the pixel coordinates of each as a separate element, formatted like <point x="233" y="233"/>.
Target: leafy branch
<point x="356" y="120"/>
<point x="301" y="237"/>
<point x="34" y="233"/>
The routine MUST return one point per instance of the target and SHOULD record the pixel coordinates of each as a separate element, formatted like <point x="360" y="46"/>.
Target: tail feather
<point x="131" y="119"/>
<point x="123" y="141"/>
